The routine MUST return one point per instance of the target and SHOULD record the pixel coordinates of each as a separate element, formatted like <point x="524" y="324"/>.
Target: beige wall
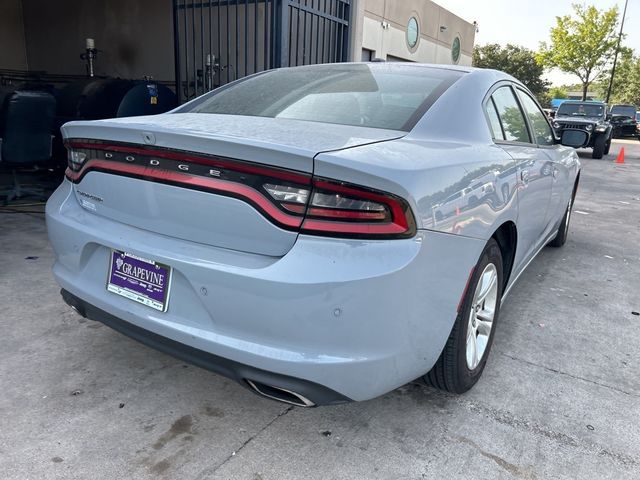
<point x="13" y="54"/>
<point x="384" y="25"/>
<point x="135" y="37"/>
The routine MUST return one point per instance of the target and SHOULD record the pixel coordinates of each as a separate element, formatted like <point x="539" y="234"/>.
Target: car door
<point x="556" y="165"/>
<point x="512" y="133"/>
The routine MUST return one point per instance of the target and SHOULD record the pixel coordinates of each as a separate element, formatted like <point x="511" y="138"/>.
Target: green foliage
<point x="583" y="45"/>
<point x="544" y="99"/>
<point x="514" y="125"/>
<point x="626" y="84"/>
<point x="558" y="92"/>
<point x="518" y="62"/>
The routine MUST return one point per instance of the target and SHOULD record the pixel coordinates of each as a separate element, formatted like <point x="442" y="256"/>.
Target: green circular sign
<point x="455" y="50"/>
<point x="413" y="32"/>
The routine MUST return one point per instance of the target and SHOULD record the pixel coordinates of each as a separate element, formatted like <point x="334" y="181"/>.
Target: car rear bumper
<point x="316" y="394"/>
<point x="338" y="319"/>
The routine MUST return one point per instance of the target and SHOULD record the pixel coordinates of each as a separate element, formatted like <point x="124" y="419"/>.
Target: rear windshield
<point x="621" y="110"/>
<point x="580" y="110"/>
<point x="389" y="96"/>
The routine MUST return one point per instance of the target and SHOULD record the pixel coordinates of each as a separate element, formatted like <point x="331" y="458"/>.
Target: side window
<point x="541" y="129"/>
<point x="494" y="121"/>
<point x="513" y="123"/>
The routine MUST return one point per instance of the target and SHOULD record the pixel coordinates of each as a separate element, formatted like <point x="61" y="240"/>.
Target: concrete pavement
<point x="560" y="397"/>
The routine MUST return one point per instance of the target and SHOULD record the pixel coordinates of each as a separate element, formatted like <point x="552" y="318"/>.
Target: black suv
<point x="588" y="116"/>
<point x="623" y="120"/>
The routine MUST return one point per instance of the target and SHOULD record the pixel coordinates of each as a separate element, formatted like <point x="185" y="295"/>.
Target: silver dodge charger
<point x="319" y="234"/>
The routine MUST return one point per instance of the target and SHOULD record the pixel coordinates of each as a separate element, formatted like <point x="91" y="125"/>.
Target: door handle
<point x="524" y="176"/>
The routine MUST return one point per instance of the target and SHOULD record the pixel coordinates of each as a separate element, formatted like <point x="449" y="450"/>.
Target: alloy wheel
<point x="483" y="308"/>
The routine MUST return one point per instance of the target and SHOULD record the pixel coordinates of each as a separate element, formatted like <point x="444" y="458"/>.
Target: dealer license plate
<point x="138" y="279"/>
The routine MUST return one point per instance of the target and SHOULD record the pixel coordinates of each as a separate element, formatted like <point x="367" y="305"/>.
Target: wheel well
<point x="507" y="238"/>
<point x="575" y="187"/>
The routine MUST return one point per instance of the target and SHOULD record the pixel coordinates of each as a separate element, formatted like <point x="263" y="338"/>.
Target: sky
<point x="527" y="22"/>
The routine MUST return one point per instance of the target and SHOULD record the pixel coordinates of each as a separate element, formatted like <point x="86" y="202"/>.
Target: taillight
<point x="343" y="209"/>
<point x="291" y="200"/>
<point x="75" y="159"/>
<point x="340" y="209"/>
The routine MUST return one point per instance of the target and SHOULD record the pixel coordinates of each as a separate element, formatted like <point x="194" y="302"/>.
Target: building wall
<point x="13" y="53"/>
<point x="135" y="37"/>
<point x="384" y="26"/>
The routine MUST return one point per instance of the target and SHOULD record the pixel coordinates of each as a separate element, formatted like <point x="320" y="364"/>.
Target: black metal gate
<point x="218" y="41"/>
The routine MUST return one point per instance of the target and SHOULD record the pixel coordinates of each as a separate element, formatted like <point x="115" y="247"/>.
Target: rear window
<point x="622" y="110"/>
<point x="580" y="110"/>
<point x="369" y="95"/>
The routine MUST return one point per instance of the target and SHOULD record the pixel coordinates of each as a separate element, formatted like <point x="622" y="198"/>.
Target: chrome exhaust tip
<point x="280" y="394"/>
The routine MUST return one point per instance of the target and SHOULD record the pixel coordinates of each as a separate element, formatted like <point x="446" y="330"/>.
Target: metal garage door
<point x="219" y="41"/>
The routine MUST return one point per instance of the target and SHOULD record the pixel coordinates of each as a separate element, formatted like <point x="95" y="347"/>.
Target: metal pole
<point x="176" y="51"/>
<point x="202" y="52"/>
<point x="195" y="49"/>
<point x="283" y="34"/>
<point x="246" y="36"/>
<point x="255" y="36"/>
<point x="615" y="58"/>
<point x="347" y="33"/>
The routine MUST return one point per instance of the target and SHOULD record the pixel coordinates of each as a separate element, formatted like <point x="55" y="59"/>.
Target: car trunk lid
<point x="201" y="177"/>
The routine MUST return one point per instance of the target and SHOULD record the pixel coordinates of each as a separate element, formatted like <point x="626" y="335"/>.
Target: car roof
<point x="590" y="102"/>
<point x="400" y="65"/>
<point x="484" y="76"/>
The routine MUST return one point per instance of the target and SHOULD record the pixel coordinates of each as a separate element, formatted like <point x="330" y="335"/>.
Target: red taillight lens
<point x="347" y="210"/>
<point x="339" y="209"/>
<point x="291" y="200"/>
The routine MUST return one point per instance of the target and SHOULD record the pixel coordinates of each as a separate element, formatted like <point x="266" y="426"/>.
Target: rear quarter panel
<point x="452" y="187"/>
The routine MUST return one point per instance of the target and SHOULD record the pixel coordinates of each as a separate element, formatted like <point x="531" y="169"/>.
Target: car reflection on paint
<point x="480" y="190"/>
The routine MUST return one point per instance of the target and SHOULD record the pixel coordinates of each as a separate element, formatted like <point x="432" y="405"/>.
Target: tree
<point x="626" y="83"/>
<point x="518" y="62"/>
<point x="630" y="89"/>
<point x="583" y="45"/>
<point x="558" y="92"/>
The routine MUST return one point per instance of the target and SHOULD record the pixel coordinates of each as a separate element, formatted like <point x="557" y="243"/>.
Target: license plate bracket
<point x="144" y="281"/>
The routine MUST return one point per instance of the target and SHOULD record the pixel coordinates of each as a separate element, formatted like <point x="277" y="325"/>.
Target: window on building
<point x="413" y="33"/>
<point x="455" y="50"/>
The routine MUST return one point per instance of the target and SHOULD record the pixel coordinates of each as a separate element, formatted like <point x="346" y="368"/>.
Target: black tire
<point x="598" y="147"/>
<point x="563" y="230"/>
<point x="451" y="372"/>
<point x="607" y="147"/>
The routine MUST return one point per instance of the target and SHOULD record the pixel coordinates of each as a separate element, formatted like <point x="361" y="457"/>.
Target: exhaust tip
<point x="73" y="303"/>
<point x="280" y="394"/>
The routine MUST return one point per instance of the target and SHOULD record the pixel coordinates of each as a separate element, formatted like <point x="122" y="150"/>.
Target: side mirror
<point x="609" y="116"/>
<point x="574" y="138"/>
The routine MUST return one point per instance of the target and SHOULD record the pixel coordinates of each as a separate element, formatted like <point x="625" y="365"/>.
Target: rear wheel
<point x="563" y="230"/>
<point x="464" y="356"/>
<point x="599" y="146"/>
